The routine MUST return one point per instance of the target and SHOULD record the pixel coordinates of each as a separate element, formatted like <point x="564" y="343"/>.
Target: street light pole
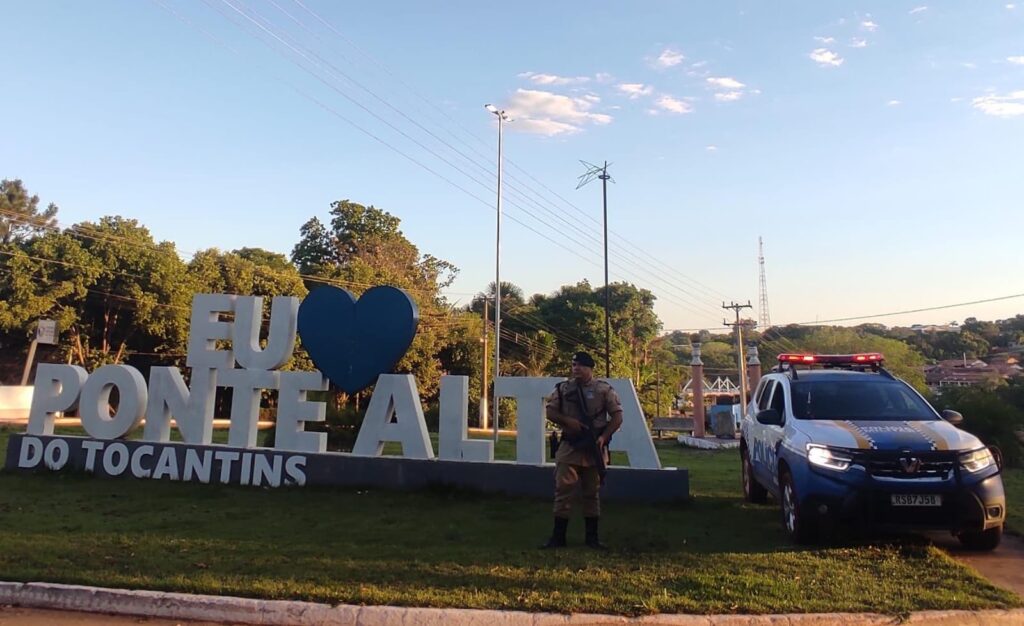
<point x="484" y="420"/>
<point x="502" y="117"/>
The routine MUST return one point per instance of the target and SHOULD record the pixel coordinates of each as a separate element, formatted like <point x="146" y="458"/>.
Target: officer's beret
<point x="583" y="359"/>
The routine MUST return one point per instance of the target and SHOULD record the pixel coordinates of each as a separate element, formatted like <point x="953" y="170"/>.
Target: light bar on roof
<point x="866" y="358"/>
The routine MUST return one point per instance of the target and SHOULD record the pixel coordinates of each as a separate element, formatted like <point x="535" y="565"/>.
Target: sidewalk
<point x="220" y="609"/>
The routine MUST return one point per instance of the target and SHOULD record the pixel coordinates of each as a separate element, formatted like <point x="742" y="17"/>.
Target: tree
<point x="995" y="417"/>
<point x="48" y="277"/>
<point x="512" y="299"/>
<point x="364" y="247"/>
<point x="660" y="377"/>
<point x="249" y="271"/>
<point x="314" y="253"/>
<point x="900" y="358"/>
<point x="112" y="289"/>
<point x="140" y="298"/>
<point x="20" y="217"/>
<point x="463" y="355"/>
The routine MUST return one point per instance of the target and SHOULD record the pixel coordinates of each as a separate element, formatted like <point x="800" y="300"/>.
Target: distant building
<point x="971" y="373"/>
<point x="936" y="328"/>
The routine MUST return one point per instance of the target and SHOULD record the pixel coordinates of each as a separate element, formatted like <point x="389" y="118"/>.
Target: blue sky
<point x="876" y="146"/>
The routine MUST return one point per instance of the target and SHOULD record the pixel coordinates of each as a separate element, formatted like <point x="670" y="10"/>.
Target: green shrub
<point x="991" y="417"/>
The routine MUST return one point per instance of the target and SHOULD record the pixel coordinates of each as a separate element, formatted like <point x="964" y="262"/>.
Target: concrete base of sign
<point x="708" y="443"/>
<point x="271" y="467"/>
<point x="15" y="402"/>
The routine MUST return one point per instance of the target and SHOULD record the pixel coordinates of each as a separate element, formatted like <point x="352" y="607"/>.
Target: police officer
<point x="589" y="413"/>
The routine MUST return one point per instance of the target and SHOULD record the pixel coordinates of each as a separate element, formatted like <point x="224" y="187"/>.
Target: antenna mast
<point x="764" y="321"/>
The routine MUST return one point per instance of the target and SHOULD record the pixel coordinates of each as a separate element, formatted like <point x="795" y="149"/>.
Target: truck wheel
<point x="983" y="541"/>
<point x="799" y="529"/>
<point x="752" y="490"/>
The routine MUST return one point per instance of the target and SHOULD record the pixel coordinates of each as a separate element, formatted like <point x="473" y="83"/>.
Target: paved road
<point x="16" y="616"/>
<point x="1004" y="566"/>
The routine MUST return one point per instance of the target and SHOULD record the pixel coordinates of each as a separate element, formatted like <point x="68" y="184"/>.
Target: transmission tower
<point x="765" y="321"/>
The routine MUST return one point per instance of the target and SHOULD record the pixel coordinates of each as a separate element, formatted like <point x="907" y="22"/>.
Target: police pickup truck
<point x="850" y="442"/>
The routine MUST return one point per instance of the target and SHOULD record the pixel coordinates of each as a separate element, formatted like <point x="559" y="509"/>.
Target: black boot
<point x="557" y="539"/>
<point x="592" y="540"/>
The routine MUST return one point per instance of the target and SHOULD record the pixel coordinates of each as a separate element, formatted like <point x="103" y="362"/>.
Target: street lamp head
<point x="501" y="114"/>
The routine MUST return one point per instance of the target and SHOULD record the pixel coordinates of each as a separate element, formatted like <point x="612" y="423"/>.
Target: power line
<point x="638" y="249"/>
<point x="281" y="40"/>
<point x="78" y="230"/>
<point x="415" y="161"/>
<point x="273" y="32"/>
<point x="922" y="310"/>
<point x="96" y="235"/>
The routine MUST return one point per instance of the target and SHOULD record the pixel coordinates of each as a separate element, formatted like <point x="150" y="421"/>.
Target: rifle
<point x="587" y="440"/>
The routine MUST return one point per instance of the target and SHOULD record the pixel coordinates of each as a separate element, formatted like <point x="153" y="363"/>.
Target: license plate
<point x="916" y="499"/>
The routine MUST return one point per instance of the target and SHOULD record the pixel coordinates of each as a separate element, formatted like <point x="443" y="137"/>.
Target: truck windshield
<point x="863" y="399"/>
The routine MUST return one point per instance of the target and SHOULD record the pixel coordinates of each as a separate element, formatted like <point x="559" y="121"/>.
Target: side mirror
<point x="997" y="454"/>
<point x="769" y="417"/>
<point x="953" y="417"/>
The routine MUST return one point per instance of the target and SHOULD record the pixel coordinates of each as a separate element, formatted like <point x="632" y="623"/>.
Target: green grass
<point x="714" y="554"/>
<point x="1013" y="482"/>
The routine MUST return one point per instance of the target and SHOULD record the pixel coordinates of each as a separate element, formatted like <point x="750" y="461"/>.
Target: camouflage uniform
<point x="574" y="466"/>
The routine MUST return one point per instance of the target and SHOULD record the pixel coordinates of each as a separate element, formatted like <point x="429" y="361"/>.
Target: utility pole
<point x="741" y="363"/>
<point x="484" y="413"/>
<point x="601" y="172"/>
<point x="657" y="369"/>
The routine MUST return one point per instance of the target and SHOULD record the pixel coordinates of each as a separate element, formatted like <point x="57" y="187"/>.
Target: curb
<point x="167" y="605"/>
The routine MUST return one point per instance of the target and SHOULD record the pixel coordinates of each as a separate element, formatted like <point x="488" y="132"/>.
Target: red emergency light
<point x="834" y="359"/>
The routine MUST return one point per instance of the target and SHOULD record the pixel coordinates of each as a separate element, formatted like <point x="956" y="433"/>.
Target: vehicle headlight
<point x="823" y="456"/>
<point x="977" y="460"/>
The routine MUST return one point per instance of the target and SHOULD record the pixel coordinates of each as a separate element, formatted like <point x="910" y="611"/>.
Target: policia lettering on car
<point x="852" y="443"/>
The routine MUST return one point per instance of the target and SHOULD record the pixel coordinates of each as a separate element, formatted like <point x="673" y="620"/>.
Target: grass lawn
<point x="1013" y="481"/>
<point x="714" y="554"/>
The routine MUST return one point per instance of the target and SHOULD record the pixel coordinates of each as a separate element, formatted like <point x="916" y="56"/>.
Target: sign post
<point x="46" y="333"/>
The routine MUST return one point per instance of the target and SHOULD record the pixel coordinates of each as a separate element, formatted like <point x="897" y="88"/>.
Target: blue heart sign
<point x="352" y="342"/>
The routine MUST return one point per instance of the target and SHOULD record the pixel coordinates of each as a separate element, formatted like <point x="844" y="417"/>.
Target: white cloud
<point x="673" y="105"/>
<point x="669" y="58"/>
<point x="894" y="103"/>
<point x="547" y="113"/>
<point x="825" y="57"/>
<point x="603" y="77"/>
<point x="970" y="66"/>
<point x="825" y="40"/>
<point x="916" y="10"/>
<point x="590" y="97"/>
<point x="858" y="43"/>
<point x="725" y="82"/>
<point x="1011" y="105"/>
<point x="635" y="90"/>
<point x="869" y="26"/>
<point x="1010" y="7"/>
<point x="728" y="96"/>
<point x="728" y="89"/>
<point x="551" y="79"/>
<point x="1018" y="60"/>
<point x="711" y="148"/>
